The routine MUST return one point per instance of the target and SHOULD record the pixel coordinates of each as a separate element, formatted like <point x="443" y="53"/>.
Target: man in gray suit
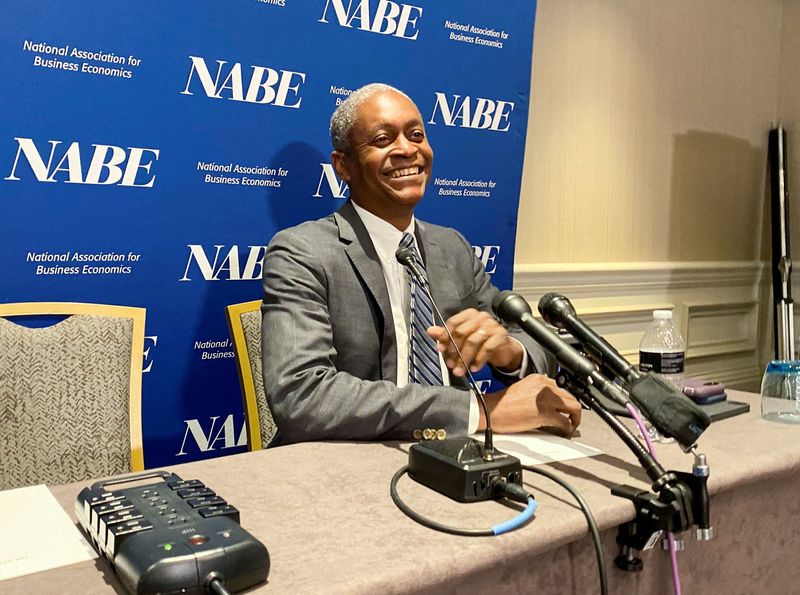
<point x="335" y="338"/>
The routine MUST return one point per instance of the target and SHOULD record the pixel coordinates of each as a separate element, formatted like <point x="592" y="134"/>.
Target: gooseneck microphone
<point x="461" y="467"/>
<point x="668" y="410"/>
<point x="408" y="259"/>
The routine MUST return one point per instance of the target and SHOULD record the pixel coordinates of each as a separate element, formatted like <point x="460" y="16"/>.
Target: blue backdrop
<point x="150" y="150"/>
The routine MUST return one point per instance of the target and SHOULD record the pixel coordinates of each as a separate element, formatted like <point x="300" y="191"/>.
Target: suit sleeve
<point x="540" y="361"/>
<point x="310" y="399"/>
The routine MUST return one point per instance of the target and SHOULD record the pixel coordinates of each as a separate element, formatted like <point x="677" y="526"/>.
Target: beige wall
<point x="648" y="128"/>
<point x="645" y="169"/>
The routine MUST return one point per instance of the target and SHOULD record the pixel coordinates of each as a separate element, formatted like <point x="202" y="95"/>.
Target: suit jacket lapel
<point x="362" y="255"/>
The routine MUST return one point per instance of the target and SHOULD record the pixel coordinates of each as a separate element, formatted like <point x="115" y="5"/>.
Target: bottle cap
<point x="662" y="314"/>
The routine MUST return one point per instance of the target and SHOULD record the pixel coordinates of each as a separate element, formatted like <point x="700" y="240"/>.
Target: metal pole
<point x="781" y="260"/>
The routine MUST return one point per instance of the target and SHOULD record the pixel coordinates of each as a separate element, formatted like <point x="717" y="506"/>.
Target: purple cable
<point x="637" y="417"/>
<point x="673" y="556"/>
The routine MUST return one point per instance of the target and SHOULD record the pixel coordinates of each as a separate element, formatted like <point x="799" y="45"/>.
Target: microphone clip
<point x="681" y="502"/>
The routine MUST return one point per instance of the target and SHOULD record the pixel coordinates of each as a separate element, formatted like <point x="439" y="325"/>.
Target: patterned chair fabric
<point x="251" y="325"/>
<point x="64" y="397"/>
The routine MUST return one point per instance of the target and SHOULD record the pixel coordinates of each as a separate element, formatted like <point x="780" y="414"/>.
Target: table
<point x="324" y="512"/>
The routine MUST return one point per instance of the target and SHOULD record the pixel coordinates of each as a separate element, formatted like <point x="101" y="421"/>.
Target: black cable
<point x="215" y="586"/>
<point x="598" y="547"/>
<point x="415" y="516"/>
<point x="425" y="521"/>
<point x="584" y="506"/>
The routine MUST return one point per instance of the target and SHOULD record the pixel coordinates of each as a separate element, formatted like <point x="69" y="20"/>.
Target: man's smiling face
<point x="389" y="160"/>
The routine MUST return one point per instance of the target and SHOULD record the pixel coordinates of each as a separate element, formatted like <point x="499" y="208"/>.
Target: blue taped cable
<point x="518" y="520"/>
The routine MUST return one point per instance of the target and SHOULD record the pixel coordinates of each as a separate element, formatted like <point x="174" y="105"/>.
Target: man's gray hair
<point x="344" y="118"/>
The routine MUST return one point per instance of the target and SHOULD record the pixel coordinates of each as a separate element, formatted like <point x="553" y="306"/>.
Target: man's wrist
<point x="510" y="362"/>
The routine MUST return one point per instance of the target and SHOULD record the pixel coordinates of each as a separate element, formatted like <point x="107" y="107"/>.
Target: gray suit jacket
<point x="328" y="341"/>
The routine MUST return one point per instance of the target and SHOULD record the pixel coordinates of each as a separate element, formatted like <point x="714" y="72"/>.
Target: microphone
<point x="459" y="467"/>
<point x="559" y="312"/>
<point x="512" y="308"/>
<point x="408" y="259"/>
<point x="669" y="411"/>
<point x="676" y="490"/>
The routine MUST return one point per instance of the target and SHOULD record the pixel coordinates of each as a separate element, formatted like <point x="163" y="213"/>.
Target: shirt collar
<point x="385" y="236"/>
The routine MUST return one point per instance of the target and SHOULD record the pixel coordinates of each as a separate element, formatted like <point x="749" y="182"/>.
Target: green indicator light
<point x="168" y="547"/>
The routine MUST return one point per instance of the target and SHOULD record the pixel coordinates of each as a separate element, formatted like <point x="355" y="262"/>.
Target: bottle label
<point x="661" y="363"/>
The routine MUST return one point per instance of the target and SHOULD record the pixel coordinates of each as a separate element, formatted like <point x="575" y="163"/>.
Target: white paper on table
<point x="537" y="448"/>
<point x="36" y="534"/>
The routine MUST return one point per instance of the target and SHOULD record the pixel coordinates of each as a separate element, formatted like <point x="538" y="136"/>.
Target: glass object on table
<point x="780" y="392"/>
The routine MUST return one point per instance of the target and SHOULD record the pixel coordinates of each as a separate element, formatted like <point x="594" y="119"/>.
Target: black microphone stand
<point x="678" y="500"/>
<point x="781" y="259"/>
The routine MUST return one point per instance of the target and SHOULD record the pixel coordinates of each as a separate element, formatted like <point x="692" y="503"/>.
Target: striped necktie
<point x="423" y="357"/>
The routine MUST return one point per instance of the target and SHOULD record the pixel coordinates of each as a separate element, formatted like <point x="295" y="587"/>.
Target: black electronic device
<point x="170" y="536"/>
<point x="709" y="399"/>
<point x="457" y="468"/>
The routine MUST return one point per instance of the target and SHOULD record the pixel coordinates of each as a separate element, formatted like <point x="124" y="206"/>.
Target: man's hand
<point x="533" y="402"/>
<point x="481" y="340"/>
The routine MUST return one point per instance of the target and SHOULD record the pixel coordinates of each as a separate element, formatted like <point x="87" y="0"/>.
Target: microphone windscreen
<point x="669" y="411"/>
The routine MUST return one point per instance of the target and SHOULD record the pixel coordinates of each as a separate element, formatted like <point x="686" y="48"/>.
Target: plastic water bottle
<point x="662" y="350"/>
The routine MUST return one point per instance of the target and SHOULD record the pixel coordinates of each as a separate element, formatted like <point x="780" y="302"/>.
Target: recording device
<point x="704" y="392"/>
<point x="461" y="468"/>
<point x="711" y="396"/>
<point x="170" y="536"/>
<point x="665" y="407"/>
